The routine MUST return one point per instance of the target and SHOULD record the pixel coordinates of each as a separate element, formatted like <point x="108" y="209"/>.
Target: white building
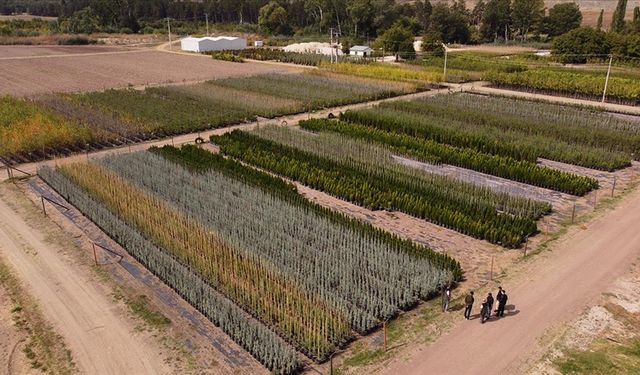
<point x="361" y="51"/>
<point x="207" y="43"/>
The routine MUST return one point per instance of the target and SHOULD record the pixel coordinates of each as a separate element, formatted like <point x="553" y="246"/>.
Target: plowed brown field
<point x="33" y="70"/>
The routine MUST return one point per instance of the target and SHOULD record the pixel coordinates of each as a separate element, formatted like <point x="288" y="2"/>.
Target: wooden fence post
<point x="613" y="187"/>
<point x="95" y="256"/>
<point x="384" y="330"/>
<point x="573" y="214"/>
<point x="44" y="210"/>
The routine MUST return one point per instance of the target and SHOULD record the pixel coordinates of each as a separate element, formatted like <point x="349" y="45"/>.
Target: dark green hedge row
<point x="377" y="191"/>
<point x="427" y="150"/>
<point x="200" y="161"/>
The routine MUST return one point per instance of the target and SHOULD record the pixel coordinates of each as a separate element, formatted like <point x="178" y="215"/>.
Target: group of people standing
<point x="486" y="307"/>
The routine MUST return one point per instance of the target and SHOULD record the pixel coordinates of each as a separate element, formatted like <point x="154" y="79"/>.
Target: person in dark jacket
<point x="468" y="305"/>
<point x="502" y="302"/>
<point x="484" y="311"/>
<point x="489" y="304"/>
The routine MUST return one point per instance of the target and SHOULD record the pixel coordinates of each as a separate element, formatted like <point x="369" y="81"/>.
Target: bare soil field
<point x="12" y="52"/>
<point x="92" y="71"/>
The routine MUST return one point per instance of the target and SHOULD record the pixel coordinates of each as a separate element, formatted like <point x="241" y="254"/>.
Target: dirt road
<point x="99" y="337"/>
<point x="549" y="292"/>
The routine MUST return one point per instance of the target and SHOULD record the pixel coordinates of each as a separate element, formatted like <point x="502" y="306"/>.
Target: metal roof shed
<point x="362" y="51"/>
<point x="219" y="43"/>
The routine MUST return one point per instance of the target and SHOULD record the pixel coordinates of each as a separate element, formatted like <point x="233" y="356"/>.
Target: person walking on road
<point x="484" y="311"/>
<point x="502" y="302"/>
<point x="489" y="305"/>
<point x="446" y="298"/>
<point x="468" y="305"/>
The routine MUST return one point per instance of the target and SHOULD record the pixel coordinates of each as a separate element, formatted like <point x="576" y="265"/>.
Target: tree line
<point x="361" y="19"/>
<point x="393" y="25"/>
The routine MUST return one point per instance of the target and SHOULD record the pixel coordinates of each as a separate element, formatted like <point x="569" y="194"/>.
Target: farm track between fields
<point x="31" y="168"/>
<point x="98" y="335"/>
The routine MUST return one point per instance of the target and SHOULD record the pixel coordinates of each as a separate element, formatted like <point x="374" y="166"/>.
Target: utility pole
<point x="169" y="31"/>
<point x="606" y="82"/>
<point x="446" y="55"/>
<point x="206" y="16"/>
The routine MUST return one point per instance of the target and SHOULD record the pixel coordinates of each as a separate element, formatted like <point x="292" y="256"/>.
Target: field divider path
<point x="290" y="120"/>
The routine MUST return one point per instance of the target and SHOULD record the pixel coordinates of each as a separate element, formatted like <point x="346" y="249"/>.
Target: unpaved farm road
<point x="99" y="339"/>
<point x="554" y="289"/>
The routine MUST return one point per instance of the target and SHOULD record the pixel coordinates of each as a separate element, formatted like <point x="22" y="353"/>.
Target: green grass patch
<point x="139" y="307"/>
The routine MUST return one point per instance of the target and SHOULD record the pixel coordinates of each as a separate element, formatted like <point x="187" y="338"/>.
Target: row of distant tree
<point x="488" y="21"/>
<point x="622" y="40"/>
<point x="392" y="23"/>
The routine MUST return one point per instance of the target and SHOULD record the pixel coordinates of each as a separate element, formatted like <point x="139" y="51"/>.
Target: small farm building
<point x="361" y="51"/>
<point x="207" y="43"/>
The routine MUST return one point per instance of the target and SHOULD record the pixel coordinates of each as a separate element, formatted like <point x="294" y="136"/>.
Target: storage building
<point x="207" y="43"/>
<point x="361" y="51"/>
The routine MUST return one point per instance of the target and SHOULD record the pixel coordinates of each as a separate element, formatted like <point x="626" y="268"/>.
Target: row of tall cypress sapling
<point x="463" y="207"/>
<point x="345" y="274"/>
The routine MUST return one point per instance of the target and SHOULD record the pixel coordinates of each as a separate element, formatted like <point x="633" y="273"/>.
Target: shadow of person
<point x="507" y="314"/>
<point x="474" y="316"/>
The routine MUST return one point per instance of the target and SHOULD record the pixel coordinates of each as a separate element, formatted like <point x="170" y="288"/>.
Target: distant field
<point x="25" y="72"/>
<point x="11" y="52"/>
<point x="24" y="17"/>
